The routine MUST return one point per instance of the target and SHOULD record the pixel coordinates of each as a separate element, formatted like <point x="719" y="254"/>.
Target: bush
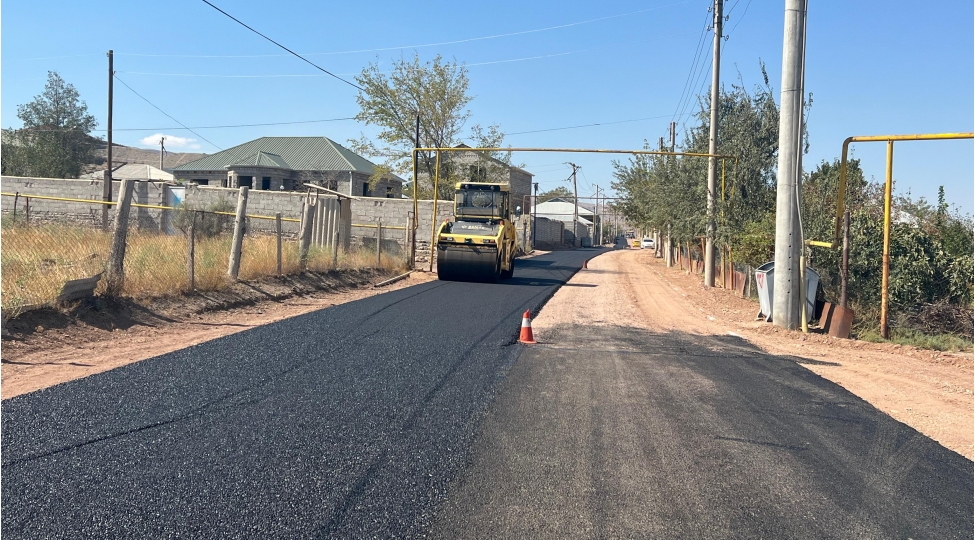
<point x="208" y="224"/>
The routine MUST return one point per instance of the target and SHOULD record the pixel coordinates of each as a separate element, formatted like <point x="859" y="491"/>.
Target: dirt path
<point x="929" y="391"/>
<point x="49" y="356"/>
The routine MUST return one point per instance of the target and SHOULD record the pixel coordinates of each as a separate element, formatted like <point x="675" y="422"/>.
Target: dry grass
<point x="38" y="260"/>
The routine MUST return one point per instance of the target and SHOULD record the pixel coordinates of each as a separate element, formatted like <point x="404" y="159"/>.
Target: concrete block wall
<point x="549" y="231"/>
<point x="144" y="192"/>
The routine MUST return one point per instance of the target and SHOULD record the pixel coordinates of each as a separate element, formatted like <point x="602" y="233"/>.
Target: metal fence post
<point x="191" y="255"/>
<point x="115" y="274"/>
<point x="239" y="220"/>
<point x="277" y="232"/>
<point x="379" y="243"/>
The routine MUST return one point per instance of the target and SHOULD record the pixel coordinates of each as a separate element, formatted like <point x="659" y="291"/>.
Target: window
<point x="389" y="192"/>
<point x="365" y="189"/>
<point x="266" y="182"/>
<point x="245" y="181"/>
<point x="201" y="181"/>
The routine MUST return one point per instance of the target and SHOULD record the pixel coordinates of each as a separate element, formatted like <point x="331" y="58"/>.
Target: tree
<point x="54" y="141"/>
<point x="559" y="192"/>
<point x="438" y="92"/>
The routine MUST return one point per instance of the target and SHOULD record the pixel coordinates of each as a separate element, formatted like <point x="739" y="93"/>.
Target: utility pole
<point x="597" y="228"/>
<point x="575" y="205"/>
<point x="534" y="215"/>
<point x="107" y="179"/>
<point x="713" y="147"/>
<point x="162" y="151"/>
<point x="786" y="301"/>
<point x="673" y="136"/>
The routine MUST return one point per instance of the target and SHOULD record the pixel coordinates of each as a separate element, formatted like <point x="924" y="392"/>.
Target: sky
<point x="874" y="67"/>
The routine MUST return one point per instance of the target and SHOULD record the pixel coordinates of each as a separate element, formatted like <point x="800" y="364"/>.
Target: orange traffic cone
<point x="526" y="329"/>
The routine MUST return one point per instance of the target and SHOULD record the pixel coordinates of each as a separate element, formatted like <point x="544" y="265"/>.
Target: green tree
<point x="559" y="192"/>
<point x="439" y="92"/>
<point x="54" y="141"/>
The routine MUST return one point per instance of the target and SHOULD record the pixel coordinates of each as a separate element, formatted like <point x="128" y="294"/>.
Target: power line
<point x="164" y="112"/>
<point x="742" y="16"/>
<point x="212" y="127"/>
<point x="586" y="125"/>
<point x="690" y="73"/>
<point x="491" y="62"/>
<point x="453" y="42"/>
<point x="316" y="66"/>
<point x="695" y="85"/>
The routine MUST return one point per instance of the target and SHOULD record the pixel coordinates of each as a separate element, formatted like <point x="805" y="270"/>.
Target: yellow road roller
<point x="479" y="244"/>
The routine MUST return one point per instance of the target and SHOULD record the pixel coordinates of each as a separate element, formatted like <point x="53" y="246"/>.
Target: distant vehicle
<point x="636" y="243"/>
<point x="647" y="243"/>
<point x="629" y="234"/>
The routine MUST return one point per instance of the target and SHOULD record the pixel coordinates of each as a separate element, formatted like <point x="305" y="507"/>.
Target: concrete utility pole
<point x="162" y="151"/>
<point x="713" y="146"/>
<point x="107" y="179"/>
<point x="786" y="301"/>
<point x="575" y="205"/>
<point x="673" y="136"/>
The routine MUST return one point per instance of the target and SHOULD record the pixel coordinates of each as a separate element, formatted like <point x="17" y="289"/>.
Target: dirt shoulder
<point x="927" y="390"/>
<point x="48" y="347"/>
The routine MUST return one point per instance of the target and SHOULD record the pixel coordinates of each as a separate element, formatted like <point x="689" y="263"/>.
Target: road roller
<point x="479" y="243"/>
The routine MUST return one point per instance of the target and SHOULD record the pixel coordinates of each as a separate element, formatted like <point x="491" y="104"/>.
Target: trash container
<point x="765" y="279"/>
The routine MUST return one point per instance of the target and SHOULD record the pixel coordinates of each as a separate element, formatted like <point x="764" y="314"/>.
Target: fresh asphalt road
<point x="345" y="422"/>
<point x="620" y="432"/>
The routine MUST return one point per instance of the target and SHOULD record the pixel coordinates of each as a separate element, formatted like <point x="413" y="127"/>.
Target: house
<point x="133" y="171"/>
<point x="480" y="167"/>
<point x="286" y="163"/>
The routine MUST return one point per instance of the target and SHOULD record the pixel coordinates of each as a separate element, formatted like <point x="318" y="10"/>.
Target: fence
<point x="47" y="256"/>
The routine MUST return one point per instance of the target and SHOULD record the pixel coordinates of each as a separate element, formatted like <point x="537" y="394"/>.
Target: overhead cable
<point x="688" y="85"/>
<point x="316" y="66"/>
<point x="164" y="112"/>
<point x="381" y="49"/>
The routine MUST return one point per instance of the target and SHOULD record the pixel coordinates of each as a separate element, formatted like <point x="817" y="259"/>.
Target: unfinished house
<point x="285" y="164"/>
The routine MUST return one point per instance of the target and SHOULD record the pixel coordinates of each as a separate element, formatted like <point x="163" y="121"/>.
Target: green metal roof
<point x="296" y="153"/>
<point x="262" y="159"/>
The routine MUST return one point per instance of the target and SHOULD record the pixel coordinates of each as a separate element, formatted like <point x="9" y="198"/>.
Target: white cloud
<point x="172" y="142"/>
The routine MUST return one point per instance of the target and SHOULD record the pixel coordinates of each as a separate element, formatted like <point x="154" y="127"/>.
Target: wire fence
<point x="49" y="258"/>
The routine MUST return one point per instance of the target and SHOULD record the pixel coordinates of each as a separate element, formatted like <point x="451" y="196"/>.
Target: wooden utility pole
<point x="575" y="205"/>
<point x="107" y="178"/>
<point x="162" y="151"/>
<point x="713" y="146"/>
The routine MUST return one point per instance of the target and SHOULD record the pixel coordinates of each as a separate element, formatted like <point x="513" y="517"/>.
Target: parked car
<point x="647" y="243"/>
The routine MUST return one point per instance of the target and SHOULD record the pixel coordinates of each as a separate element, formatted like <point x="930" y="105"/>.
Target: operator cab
<point x="481" y="201"/>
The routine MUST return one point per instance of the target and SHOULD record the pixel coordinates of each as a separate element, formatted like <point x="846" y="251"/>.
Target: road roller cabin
<point x="479" y="244"/>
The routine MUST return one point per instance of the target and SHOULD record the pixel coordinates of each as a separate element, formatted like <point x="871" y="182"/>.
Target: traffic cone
<point x="526" y="329"/>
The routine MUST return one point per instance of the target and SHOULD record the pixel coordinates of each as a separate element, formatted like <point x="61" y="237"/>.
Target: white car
<point x="646" y="243"/>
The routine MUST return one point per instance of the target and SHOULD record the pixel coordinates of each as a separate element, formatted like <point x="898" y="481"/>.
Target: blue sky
<point x="874" y="67"/>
